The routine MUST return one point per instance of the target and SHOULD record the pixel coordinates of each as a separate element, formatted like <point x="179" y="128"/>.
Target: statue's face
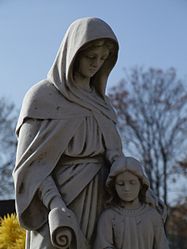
<point x="127" y="186"/>
<point x="91" y="60"/>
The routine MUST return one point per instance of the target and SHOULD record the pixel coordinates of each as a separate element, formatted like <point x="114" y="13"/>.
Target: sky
<point x="151" y="33"/>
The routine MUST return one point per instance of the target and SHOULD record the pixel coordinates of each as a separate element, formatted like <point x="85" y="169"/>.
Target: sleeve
<point x="47" y="192"/>
<point x="41" y="143"/>
<point x="104" y="233"/>
<point x="27" y="133"/>
<point x="160" y="240"/>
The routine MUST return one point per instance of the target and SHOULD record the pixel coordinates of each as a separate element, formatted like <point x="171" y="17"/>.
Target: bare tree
<point x="182" y="166"/>
<point x="152" y="110"/>
<point x="8" y="119"/>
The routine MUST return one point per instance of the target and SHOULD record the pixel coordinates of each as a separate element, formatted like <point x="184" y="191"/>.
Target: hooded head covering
<point x="80" y="33"/>
<point x="45" y="99"/>
<point x="127" y="164"/>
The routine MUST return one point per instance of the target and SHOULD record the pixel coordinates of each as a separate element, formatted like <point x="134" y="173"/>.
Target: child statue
<point x="129" y="222"/>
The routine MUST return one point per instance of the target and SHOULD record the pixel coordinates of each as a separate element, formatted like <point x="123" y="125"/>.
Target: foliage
<point x="8" y="119"/>
<point x="176" y="226"/>
<point x="152" y="112"/>
<point x="12" y="236"/>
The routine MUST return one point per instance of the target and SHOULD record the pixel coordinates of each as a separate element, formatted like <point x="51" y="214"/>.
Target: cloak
<point x="61" y="106"/>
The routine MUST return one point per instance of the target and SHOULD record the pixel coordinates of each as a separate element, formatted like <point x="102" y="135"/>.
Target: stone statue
<point x="129" y="222"/>
<point x="67" y="141"/>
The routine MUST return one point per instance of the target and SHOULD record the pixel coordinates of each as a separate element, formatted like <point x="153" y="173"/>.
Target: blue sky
<point x="150" y="32"/>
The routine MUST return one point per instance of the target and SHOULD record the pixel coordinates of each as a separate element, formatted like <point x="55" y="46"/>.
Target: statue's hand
<point x="60" y="222"/>
<point x="57" y="202"/>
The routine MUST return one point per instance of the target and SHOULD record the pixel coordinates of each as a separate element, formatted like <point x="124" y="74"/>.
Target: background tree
<point x="176" y="226"/>
<point x="8" y="118"/>
<point x="152" y="111"/>
<point x="182" y="166"/>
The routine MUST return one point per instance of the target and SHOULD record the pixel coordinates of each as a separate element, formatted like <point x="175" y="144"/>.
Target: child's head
<point x="127" y="182"/>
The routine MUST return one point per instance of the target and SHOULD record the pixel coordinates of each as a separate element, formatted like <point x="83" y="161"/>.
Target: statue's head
<point x="92" y="57"/>
<point x="127" y="182"/>
<point x="85" y="35"/>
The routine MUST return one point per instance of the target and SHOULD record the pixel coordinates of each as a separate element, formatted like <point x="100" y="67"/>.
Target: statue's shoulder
<point x="44" y="96"/>
<point x="111" y="212"/>
<point x="43" y="91"/>
<point x="153" y="215"/>
<point x="43" y="101"/>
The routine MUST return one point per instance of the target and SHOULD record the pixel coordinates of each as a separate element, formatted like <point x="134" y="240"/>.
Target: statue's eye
<point x="133" y="182"/>
<point x="90" y="56"/>
<point x="120" y="183"/>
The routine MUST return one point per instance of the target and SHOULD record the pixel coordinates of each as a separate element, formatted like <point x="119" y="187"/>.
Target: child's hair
<point x="129" y="164"/>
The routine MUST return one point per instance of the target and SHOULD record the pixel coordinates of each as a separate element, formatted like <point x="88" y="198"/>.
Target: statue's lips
<point x="127" y="194"/>
<point x="92" y="70"/>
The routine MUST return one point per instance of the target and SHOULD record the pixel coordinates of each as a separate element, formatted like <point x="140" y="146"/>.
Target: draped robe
<point x="67" y="140"/>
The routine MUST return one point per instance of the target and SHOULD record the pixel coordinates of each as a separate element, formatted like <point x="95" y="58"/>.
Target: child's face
<point x="127" y="186"/>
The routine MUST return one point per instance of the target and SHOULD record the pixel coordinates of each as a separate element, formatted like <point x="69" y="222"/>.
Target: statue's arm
<point x="48" y="191"/>
<point x="27" y="133"/>
<point x="61" y="220"/>
<point x="49" y="194"/>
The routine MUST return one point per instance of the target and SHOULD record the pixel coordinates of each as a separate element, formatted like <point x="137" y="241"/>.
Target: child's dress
<point x="121" y="228"/>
